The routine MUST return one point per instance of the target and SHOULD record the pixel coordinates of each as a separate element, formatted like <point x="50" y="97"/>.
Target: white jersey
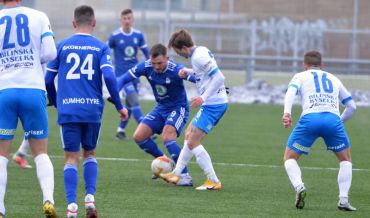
<point x="320" y="91"/>
<point x="204" y="66"/>
<point x="21" y="32"/>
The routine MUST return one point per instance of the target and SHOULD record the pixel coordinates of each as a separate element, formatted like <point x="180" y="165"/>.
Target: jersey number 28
<point x="23" y="32"/>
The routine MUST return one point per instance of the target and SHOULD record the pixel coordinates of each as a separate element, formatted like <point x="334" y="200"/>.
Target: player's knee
<point x="168" y="137"/>
<point x="132" y="100"/>
<point x="138" y="137"/>
<point x="88" y="154"/>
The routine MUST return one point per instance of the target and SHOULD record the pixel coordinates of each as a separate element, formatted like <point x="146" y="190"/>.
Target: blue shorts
<point x="76" y="135"/>
<point x="158" y="118"/>
<point x="311" y="126"/>
<point x="208" y="116"/>
<point x="29" y="105"/>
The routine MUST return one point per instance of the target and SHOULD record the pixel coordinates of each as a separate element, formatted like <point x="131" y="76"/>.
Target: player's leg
<point x="344" y="179"/>
<point x="169" y="135"/>
<point x="120" y="132"/>
<point x="151" y="123"/>
<point x="90" y="136"/>
<point x="71" y="140"/>
<point x="133" y="101"/>
<point x="207" y="117"/>
<point x="133" y="107"/>
<point x="20" y="157"/>
<point x="8" y="123"/>
<point x="5" y="148"/>
<point x="336" y="140"/>
<point x="35" y="123"/>
<point x="299" y="142"/>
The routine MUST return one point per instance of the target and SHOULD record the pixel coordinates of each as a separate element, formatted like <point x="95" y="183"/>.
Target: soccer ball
<point x="162" y="164"/>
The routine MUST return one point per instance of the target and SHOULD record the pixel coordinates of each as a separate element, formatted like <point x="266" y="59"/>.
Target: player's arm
<point x="348" y="102"/>
<point x="216" y="82"/>
<point x="50" y="86"/>
<point x="111" y="84"/>
<point x="185" y="73"/>
<point x="48" y="50"/>
<point x="145" y="51"/>
<point x="125" y="78"/>
<point x="288" y="104"/>
<point x="51" y="73"/>
<point x="144" y="47"/>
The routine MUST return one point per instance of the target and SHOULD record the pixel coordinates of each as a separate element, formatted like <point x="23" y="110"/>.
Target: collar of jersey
<point x="192" y="51"/>
<point x="19" y="6"/>
<point x="126" y="34"/>
<point x="84" y="34"/>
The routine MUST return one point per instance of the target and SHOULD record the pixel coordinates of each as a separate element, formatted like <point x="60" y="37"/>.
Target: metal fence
<point x="252" y="43"/>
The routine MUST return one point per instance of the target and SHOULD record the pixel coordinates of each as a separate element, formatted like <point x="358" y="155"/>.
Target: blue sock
<point x="174" y="149"/>
<point x="136" y="111"/>
<point x="90" y="175"/>
<point x="150" y="147"/>
<point x="70" y="182"/>
<point x="123" y="123"/>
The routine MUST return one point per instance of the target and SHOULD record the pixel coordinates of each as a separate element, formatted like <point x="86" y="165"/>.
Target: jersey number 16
<point x="326" y="83"/>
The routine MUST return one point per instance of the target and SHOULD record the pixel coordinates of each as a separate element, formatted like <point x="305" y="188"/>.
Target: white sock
<point x="205" y="163"/>
<point x="119" y="129"/>
<point x="294" y="173"/>
<point x="45" y="174"/>
<point x="23" y="148"/>
<point x="344" y="180"/>
<point x="184" y="158"/>
<point x="89" y="201"/>
<point x="3" y="180"/>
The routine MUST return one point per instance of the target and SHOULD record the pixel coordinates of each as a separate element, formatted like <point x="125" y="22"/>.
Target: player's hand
<point x="110" y="100"/>
<point x="287" y="120"/>
<point x="183" y="73"/>
<point x="123" y="113"/>
<point x="197" y="101"/>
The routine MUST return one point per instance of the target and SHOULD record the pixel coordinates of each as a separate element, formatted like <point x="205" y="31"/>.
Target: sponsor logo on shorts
<point x="300" y="147"/>
<point x="7" y="131"/>
<point x="34" y="132"/>
<point x="338" y="147"/>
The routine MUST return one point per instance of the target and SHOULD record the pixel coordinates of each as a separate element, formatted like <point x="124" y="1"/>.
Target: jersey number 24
<point x="85" y="68"/>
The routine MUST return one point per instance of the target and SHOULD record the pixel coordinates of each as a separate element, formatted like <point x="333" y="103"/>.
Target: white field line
<point x="222" y="164"/>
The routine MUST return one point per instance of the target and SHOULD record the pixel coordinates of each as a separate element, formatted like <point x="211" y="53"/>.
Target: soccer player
<point x="172" y="110"/>
<point x="213" y="104"/>
<point x="321" y="93"/>
<point x="81" y="63"/>
<point x="125" y="42"/>
<point x="26" y="43"/>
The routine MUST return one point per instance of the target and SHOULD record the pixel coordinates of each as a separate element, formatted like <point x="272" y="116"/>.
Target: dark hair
<point x="84" y="15"/>
<point x="312" y="58"/>
<point x="126" y="11"/>
<point x="179" y="39"/>
<point x="157" y="50"/>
